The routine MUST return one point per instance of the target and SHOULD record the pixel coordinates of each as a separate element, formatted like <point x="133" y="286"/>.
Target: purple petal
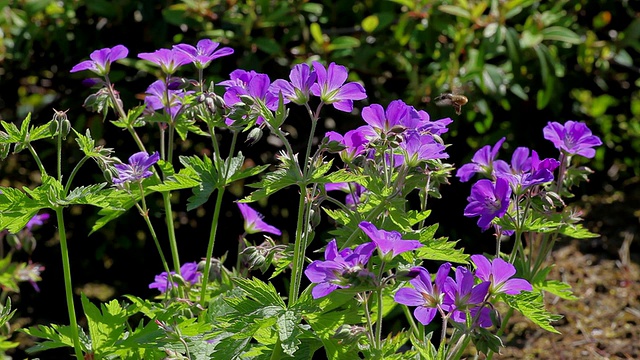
<point x="351" y="91"/>
<point x="483" y="267"/>
<point x="323" y="289"/>
<point x="515" y="286"/>
<point x="425" y="314"/>
<point x="501" y="270"/>
<point x="85" y="65"/>
<point x="479" y="292"/>
<point x="409" y="297"/>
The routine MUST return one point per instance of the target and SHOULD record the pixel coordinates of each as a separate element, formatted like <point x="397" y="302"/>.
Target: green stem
<point x="66" y="268"/>
<point x="299" y="250"/>
<point x="216" y="210"/>
<point x="503" y="325"/>
<point x="75" y="170"/>
<point x="379" y="318"/>
<point x="37" y="159"/>
<point x="367" y="313"/>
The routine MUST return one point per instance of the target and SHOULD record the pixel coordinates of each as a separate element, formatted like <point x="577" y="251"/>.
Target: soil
<point x="605" y="274"/>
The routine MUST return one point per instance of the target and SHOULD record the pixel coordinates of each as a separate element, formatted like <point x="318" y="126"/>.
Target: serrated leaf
<point x="263" y="293"/>
<point x="288" y="332"/>
<point x="56" y="337"/>
<point x="271" y="183"/>
<point x="558" y="288"/>
<point x="531" y="305"/>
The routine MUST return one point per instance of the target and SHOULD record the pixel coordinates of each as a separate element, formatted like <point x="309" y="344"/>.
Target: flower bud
<point x="53" y="127"/>
<point x="406" y="275"/>
<point x="254" y="136"/>
<point x="215" y="269"/>
<point x="496" y="319"/>
<point x="28" y="243"/>
<point x="14" y="241"/>
<point x="247" y="100"/>
<point x="316" y="217"/>
<point x="349" y="334"/>
<point x="65" y="128"/>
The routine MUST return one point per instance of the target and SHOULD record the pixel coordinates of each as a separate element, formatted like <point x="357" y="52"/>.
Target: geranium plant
<point x="375" y="265"/>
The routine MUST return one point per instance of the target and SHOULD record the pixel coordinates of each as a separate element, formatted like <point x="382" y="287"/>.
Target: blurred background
<point x="520" y="63"/>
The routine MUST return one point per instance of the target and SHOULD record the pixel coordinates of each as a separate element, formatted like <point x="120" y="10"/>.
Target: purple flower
<point x="205" y="51"/>
<point x="388" y="242"/>
<point x="418" y="148"/>
<point x="101" y="60"/>
<point x="137" y="168"/>
<point x="482" y="162"/>
<point x="462" y="294"/>
<point x="488" y="201"/>
<point x="525" y="171"/>
<point x="296" y="91"/>
<point x="253" y="85"/>
<point x="37" y="220"/>
<point x="573" y="137"/>
<point x="156" y="98"/>
<point x="332" y="89"/>
<point x="189" y="274"/>
<point x="499" y="272"/>
<point x="354" y="142"/>
<point x="354" y="192"/>
<point x="383" y="121"/>
<point x="426" y="296"/>
<point x="168" y="60"/>
<point x="253" y="222"/>
<point x="340" y="270"/>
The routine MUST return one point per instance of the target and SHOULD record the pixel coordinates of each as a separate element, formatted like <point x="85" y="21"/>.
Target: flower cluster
<point x="137" y="168"/>
<point x="408" y="133"/>
<point x="461" y="295"/>
<point x="490" y="199"/>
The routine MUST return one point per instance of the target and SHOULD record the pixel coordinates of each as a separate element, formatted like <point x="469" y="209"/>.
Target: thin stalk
<point x="216" y="210"/>
<point x="75" y="170"/>
<point x="299" y="250"/>
<point x="379" y="318"/>
<point x="367" y="313"/>
<point x="414" y="327"/>
<point x="460" y="345"/>
<point x="144" y="212"/>
<point x="503" y="325"/>
<point x="68" y="290"/>
<point x="37" y="159"/>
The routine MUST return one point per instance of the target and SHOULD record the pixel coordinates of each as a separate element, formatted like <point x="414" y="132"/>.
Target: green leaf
<point x="441" y="249"/>
<point x="263" y="293"/>
<point x="55" y="337"/>
<point x="559" y="33"/>
<point x="455" y="10"/>
<point x="343" y="42"/>
<point x="531" y="305"/>
<point x="289" y="331"/>
<point x="316" y="33"/>
<point x="370" y="23"/>
<point x="273" y="182"/>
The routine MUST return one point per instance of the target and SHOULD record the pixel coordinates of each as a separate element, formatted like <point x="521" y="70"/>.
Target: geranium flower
<point x="253" y="222"/>
<point x="488" y="201"/>
<point x="383" y="120"/>
<point x="418" y="148"/>
<point x="155" y="98"/>
<point x="332" y="89"/>
<point x="482" y="162"/>
<point x="388" y="242"/>
<point x="137" y="168"/>
<point x="426" y="296"/>
<point x="499" y="272"/>
<point x="462" y="294"/>
<point x="189" y="272"/>
<point x="574" y="138"/>
<point x="296" y="91"/>
<point x="205" y="51"/>
<point x="168" y="60"/>
<point x="340" y="270"/>
<point x="101" y="60"/>
<point x="525" y="171"/>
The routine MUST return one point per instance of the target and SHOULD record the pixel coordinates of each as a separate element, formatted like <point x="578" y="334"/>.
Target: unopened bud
<point x="248" y="100"/>
<point x="496" y="319"/>
<point x="53" y="127"/>
<point x="348" y="334"/>
<point x="14" y="241"/>
<point x="316" y="217"/>
<point x="65" y="128"/>
<point x="254" y="136"/>
<point x="406" y="275"/>
<point x="215" y="269"/>
<point x="29" y="244"/>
